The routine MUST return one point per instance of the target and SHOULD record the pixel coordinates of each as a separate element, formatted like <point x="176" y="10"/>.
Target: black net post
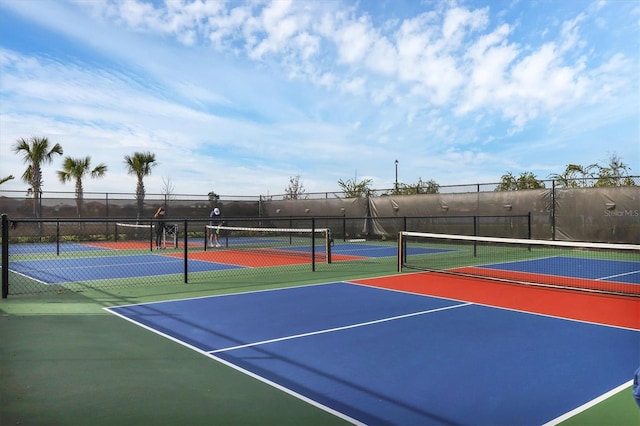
<point x="5" y="256"/>
<point x="206" y="237"/>
<point x="57" y="236"/>
<point x="328" y="244"/>
<point x="313" y="244"/>
<point x="399" y="254"/>
<point x="402" y="246"/>
<point x="475" y="234"/>
<point x="553" y="210"/>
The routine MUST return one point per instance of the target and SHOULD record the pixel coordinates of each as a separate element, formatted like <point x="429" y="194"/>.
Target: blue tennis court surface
<point x="57" y="271"/>
<point x="50" y="248"/>
<point x="376" y="356"/>
<point x="595" y="269"/>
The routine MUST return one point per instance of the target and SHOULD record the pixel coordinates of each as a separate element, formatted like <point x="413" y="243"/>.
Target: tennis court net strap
<point x="313" y="243"/>
<point x="597" y="267"/>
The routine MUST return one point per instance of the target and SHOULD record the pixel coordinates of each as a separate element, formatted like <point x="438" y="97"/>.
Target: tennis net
<point x="145" y="234"/>
<point x="596" y="267"/>
<point x="311" y="243"/>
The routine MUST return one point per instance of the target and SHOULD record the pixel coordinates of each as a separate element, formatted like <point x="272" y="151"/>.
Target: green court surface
<point x="66" y="361"/>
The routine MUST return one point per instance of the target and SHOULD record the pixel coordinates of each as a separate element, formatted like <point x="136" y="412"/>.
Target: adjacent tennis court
<point x="66" y="270"/>
<point x="402" y="358"/>
<point x="237" y="253"/>
<point x="588" y="266"/>
<point x="52" y="248"/>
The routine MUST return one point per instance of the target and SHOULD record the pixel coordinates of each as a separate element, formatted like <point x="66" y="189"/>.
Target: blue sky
<point x="238" y="97"/>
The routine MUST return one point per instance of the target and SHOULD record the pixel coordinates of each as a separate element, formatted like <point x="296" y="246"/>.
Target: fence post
<point x="400" y="251"/>
<point x="344" y="227"/>
<point x="553" y="210"/>
<point x="5" y="256"/>
<point x="186" y="251"/>
<point x="313" y="244"/>
<point x="57" y="236"/>
<point x="106" y="202"/>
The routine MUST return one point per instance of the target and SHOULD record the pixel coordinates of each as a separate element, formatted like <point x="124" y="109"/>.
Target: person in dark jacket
<point x="160" y="225"/>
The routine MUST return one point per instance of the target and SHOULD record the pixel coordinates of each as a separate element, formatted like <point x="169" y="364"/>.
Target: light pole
<point x="396" y="176"/>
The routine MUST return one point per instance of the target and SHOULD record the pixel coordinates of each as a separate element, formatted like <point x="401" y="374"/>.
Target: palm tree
<point x="77" y="169"/>
<point x="421" y="187"/>
<point x="35" y="152"/>
<point x="526" y="180"/>
<point x="6" y="179"/>
<point x="140" y="164"/>
<point x="353" y="189"/>
<point x="616" y="173"/>
<point x="574" y="176"/>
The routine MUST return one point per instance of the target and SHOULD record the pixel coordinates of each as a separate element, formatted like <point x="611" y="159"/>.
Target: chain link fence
<point x="55" y="227"/>
<point x="57" y="255"/>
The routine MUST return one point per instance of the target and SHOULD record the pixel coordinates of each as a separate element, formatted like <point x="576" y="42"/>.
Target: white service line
<point x="330" y="330"/>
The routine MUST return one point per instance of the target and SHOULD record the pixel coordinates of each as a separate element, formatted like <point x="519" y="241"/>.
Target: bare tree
<point x="168" y="188"/>
<point x="295" y="190"/>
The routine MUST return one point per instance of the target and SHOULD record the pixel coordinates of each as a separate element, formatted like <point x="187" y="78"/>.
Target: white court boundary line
<point x="212" y="354"/>
<point x="568" y="414"/>
<point x="236" y="367"/>
<point x="346" y="327"/>
<point x="589" y="404"/>
<point x="624" y="274"/>
<point x="162" y="260"/>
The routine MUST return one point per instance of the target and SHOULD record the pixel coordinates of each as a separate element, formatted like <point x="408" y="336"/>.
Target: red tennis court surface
<point x="564" y="281"/>
<point x="598" y="308"/>
<point x="253" y="259"/>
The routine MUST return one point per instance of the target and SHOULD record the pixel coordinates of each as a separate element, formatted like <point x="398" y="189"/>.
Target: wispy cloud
<point x="237" y="97"/>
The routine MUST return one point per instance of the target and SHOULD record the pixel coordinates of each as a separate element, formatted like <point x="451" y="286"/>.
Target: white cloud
<point x="354" y="40"/>
<point x="278" y="27"/>
<point x="458" y="19"/>
<point x="245" y="88"/>
<point x="383" y="58"/>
